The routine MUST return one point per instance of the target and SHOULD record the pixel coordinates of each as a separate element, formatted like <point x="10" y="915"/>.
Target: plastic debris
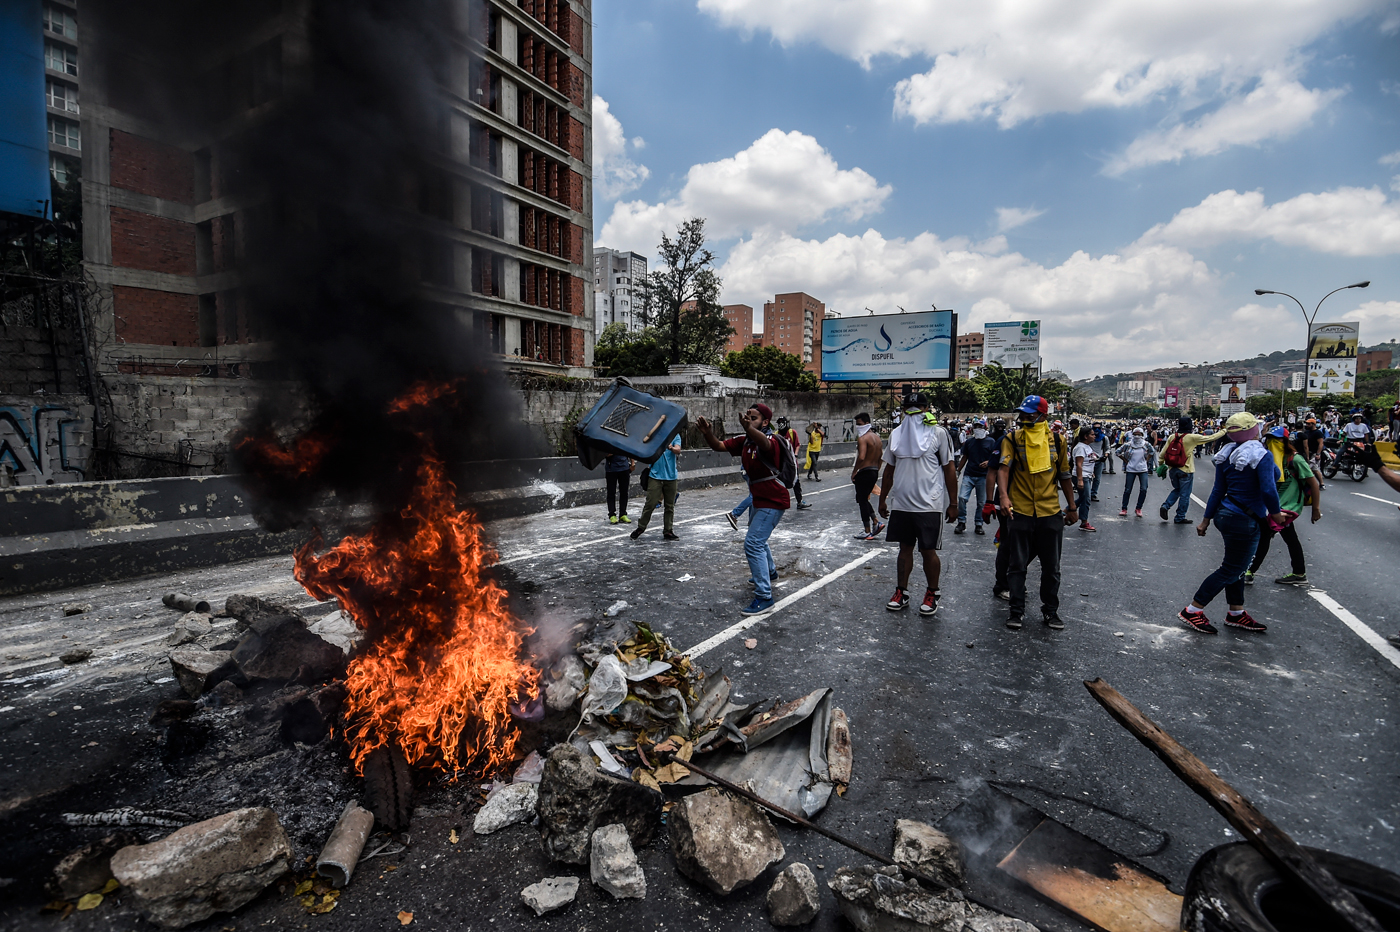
<point x="616" y="608"/>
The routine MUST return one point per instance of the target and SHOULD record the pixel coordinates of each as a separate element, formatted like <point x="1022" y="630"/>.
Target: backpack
<point x="1175" y="453"/>
<point x="786" y="472"/>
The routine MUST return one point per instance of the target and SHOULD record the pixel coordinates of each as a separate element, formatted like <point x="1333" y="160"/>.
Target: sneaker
<point x="612" y="519"/>
<point x="1123" y="513"/>
<point x="1054" y="622"/>
<point x="898" y="602"/>
<point x="1093" y="498"/>
<point x="1086" y="526"/>
<point x="1292" y="579"/>
<point x="635" y="534"/>
<point x="1182" y="521"/>
<point x="758" y="606"/>
<point x="1163" y="512"/>
<point x="1248" y="578"/>
<point x="804" y="505"/>
<point x="1015" y="622"/>
<point x="863" y="535"/>
<point x="733" y="521"/>
<point x="978" y="530"/>
<point x="875" y="534"/>
<point x="960" y="528"/>
<point x="1138" y="512"/>
<point x="1245" y="623"/>
<point x="669" y="535"/>
<point x="624" y="519"/>
<point x="1197" y="621"/>
<point x="817" y="479"/>
<point x="930" y="603"/>
<point x="1003" y="594"/>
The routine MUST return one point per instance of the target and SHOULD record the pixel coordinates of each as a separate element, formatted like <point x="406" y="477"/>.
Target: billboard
<point x="24" y="145"/>
<point x="1014" y="343"/>
<point x="1232" y="394"/>
<point x="1332" y="358"/>
<point x="889" y="347"/>
<point x="1172" y="395"/>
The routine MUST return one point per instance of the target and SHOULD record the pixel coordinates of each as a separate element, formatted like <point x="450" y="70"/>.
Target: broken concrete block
<point x="199" y="670"/>
<point x="78" y="655"/>
<point x="191" y="625"/>
<point x="883" y="901"/>
<point x="248" y="607"/>
<point x="310" y="718"/>
<point x="77" y="608"/>
<point x="562" y="693"/>
<point x="793" y="899"/>
<point x="576" y="797"/>
<point x="90" y="867"/>
<point x="722" y="841"/>
<point x="280" y="649"/>
<point x="980" y="919"/>
<point x="613" y="865"/>
<point x="209" y="867"/>
<point x="509" y="804"/>
<point x="924" y="848"/>
<point x="550" y="894"/>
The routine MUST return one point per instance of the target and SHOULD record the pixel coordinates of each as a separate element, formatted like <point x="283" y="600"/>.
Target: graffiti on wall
<point x="43" y="443"/>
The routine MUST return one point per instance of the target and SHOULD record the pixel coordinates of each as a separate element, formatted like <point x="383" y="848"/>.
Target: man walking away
<point x="869" y="449"/>
<point x="815" y="435"/>
<point x="1137" y="456"/>
<point x="914" y="493"/>
<point x="617" y="472"/>
<point x="1034" y="470"/>
<point x="662" y="485"/>
<point x="1178" y="454"/>
<point x="766" y="458"/>
<point x="976" y="458"/>
<point x="788" y="432"/>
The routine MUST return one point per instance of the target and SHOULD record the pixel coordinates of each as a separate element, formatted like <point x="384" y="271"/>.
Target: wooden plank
<point x="1295" y="864"/>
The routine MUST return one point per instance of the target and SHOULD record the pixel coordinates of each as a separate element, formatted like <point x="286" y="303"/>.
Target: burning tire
<point x="1233" y="889"/>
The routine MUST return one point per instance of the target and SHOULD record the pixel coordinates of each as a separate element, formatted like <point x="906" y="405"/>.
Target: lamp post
<point x="1283" y="393"/>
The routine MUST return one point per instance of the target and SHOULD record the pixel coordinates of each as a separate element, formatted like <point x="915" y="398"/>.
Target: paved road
<point x="1301" y="719"/>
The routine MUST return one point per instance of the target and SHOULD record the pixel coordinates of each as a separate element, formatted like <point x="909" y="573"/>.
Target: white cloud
<point x="1343" y="222"/>
<point x="1391" y="159"/>
<point x="1275" y="109"/>
<point x="783" y="181"/>
<point x="1009" y="218"/>
<point x="614" y="174"/>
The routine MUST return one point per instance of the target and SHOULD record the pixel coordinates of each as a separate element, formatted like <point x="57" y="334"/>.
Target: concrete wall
<point x="44" y="439"/>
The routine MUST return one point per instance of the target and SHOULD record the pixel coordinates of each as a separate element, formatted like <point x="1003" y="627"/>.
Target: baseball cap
<point x="1279" y="432"/>
<point x="1034" y="404"/>
<point x="764" y="410"/>
<point x="914" y="400"/>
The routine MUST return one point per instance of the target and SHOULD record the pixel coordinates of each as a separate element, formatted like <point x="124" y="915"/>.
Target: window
<point x="60" y="23"/>
<point x="62" y="97"/>
<point x="63" y="133"/>
<point x="60" y="58"/>
<point x="61" y="169"/>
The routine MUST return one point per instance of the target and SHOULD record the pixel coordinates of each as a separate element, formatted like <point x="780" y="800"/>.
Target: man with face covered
<point x="1034" y="469"/>
<point x="915" y="492"/>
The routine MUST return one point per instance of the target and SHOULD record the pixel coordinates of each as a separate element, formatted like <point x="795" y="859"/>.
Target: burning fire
<point x="442" y="660"/>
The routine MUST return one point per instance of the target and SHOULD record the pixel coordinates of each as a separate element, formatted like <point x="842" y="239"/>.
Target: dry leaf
<point x="452" y="836"/>
<point x="302" y="889"/>
<point x="646" y="779"/>
<point x="89" y="901"/>
<point x="751" y="643"/>
<point x="111" y="886"/>
<point x="686" y="751"/>
<point x="392" y="867"/>
<point x="405" y="918"/>
<point x="671" y="773"/>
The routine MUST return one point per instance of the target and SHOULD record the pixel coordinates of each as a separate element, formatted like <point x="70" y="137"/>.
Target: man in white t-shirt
<point x="1358" y="429"/>
<point x="914" y="497"/>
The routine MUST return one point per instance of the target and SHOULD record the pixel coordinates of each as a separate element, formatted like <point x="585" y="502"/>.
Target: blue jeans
<point x="739" y="509"/>
<point x="1181" y="491"/>
<point x="1098" y="474"/>
<point x="759" y="554"/>
<point x="1082" y="502"/>
<point x="1128" y="479"/>
<point x="969" y="485"/>
<point x="1241" y="535"/>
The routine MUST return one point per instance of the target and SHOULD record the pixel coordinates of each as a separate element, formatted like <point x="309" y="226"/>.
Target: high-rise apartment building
<point x="740" y="317"/>
<point x="792" y="323"/>
<point x="969" y="352"/>
<point x="616" y="276"/>
<point x="61" y="89"/>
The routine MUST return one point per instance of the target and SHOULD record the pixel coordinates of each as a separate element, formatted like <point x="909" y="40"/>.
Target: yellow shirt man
<point x="814" y="439"/>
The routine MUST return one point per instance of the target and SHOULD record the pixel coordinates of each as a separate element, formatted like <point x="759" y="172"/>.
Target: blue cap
<point x="1034" y="404"/>
<point x="1280" y="431"/>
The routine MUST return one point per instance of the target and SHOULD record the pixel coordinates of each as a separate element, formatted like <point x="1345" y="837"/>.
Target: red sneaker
<point x="1138" y="512"/>
<point x="1245" y="623"/>
<point x="1123" y="513"/>
<point x="1086" y="526"/>
<point x="930" y="603"/>
<point x="898" y="602"/>
<point x="1197" y="621"/>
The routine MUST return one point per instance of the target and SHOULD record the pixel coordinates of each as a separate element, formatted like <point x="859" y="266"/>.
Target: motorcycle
<point x="1343" y="457"/>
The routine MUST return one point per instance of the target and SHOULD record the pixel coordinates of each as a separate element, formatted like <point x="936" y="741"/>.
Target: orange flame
<point x="442" y="657"/>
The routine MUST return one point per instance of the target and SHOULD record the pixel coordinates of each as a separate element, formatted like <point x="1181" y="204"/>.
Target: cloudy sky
<point x="1128" y="171"/>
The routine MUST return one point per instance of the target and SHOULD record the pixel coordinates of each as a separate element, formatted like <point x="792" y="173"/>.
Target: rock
<point x="174" y="710"/>
<point x="613" y="865"/>
<point x="924" y="848"/>
<point x="509" y="804"/>
<point x="563" y="692"/>
<point x="793" y="899"/>
<point x="576" y="797"/>
<point x="550" y="894"/>
<point x="199" y="670"/>
<point x="75" y="656"/>
<point x="77" y="608"/>
<point x="339" y="629"/>
<point x="225" y="694"/>
<point x="248" y="608"/>
<point x="311" y="718"/>
<point x="211" y="866"/>
<point x="980" y="919"/>
<point x="90" y="867"/>
<point x="280" y="649"/>
<point x="721" y="841"/>
<point x="191" y="625"/>
<point x="883" y="901"/>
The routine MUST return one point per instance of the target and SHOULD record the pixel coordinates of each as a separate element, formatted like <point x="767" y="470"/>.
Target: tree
<point x="959" y="396"/>
<point x="1004" y="389"/>
<point x="685" y="287"/>
<point x="769" y="365"/>
<point x="626" y="353"/>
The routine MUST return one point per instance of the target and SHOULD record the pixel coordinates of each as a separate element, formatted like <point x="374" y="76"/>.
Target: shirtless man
<point x="866" y="471"/>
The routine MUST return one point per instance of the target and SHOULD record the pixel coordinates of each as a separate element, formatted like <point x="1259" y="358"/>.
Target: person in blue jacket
<point x="1245" y="494"/>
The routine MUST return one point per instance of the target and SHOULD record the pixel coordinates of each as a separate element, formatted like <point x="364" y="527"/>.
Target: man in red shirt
<point x="761" y="452"/>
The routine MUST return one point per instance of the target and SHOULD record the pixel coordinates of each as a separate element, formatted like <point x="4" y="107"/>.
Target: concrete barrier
<point x="60" y="536"/>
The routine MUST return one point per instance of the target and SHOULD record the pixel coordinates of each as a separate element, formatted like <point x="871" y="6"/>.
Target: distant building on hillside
<point x="1373" y="361"/>
<point x="1297" y="381"/>
<point x="1059" y="375"/>
<point x="1266" y="382"/>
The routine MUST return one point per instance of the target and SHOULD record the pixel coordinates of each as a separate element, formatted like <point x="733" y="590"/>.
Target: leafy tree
<point x="958" y="395"/>
<point x="1004" y="389"/>
<point x="681" y="299"/>
<point x="769" y="365"/>
<point x="704" y="332"/>
<point x="626" y="353"/>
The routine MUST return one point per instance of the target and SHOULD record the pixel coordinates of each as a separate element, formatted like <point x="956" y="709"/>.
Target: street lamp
<point x="1282" y="393"/>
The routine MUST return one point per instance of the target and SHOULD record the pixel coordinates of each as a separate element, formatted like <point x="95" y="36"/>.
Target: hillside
<point x="1104" y="386"/>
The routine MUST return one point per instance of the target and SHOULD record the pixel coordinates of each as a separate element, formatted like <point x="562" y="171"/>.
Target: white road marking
<point x="1197" y="500"/>
<point x="1384" y="501"/>
<point x="1363" y="630"/>
<point x="734" y="630"/>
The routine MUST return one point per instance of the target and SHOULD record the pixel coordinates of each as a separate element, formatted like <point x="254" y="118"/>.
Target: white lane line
<point x="1197" y="500"/>
<point x="714" y="641"/>
<point x="1384" y="501"/>
<point x="1363" y="630"/>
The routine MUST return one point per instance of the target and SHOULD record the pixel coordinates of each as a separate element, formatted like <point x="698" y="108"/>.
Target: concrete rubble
<point x="550" y="894"/>
<point x="507" y="805"/>
<point x="279" y="648"/>
<point x="721" y="841"/>
<point x="190" y="627"/>
<point x="90" y="867"/>
<point x="924" y="848"/>
<point x="794" y="900"/>
<point x="212" y="866"/>
<point x="77" y="655"/>
<point x="613" y="865"/>
<point x="199" y="670"/>
<point x="576" y="797"/>
<point x="882" y="900"/>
